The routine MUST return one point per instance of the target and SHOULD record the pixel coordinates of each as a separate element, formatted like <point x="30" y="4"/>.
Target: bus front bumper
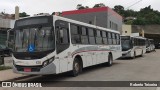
<point x="35" y="70"/>
<point x="126" y="54"/>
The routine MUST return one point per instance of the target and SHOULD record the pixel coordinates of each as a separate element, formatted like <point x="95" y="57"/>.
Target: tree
<point x="139" y="21"/>
<point x="53" y="13"/>
<point x="99" y="5"/>
<point x="86" y="7"/>
<point x="129" y="13"/>
<point x="151" y="16"/>
<point x="145" y="16"/>
<point x="79" y="6"/>
<point x="2" y="13"/>
<point x="23" y="14"/>
<point x="120" y="10"/>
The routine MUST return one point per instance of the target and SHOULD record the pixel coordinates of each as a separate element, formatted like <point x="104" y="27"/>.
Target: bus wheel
<point x="77" y="67"/>
<point x="134" y="56"/>
<point x="110" y="60"/>
<point x="141" y="54"/>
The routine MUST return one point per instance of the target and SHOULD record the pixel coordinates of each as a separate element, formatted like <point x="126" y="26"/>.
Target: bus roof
<point x="74" y="21"/>
<point x="84" y="24"/>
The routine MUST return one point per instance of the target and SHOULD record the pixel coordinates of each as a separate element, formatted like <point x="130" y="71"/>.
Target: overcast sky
<point x="48" y="6"/>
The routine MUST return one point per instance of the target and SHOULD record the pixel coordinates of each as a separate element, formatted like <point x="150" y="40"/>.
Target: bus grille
<point x="33" y="68"/>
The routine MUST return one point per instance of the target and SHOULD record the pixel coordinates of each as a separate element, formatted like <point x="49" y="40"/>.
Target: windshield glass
<point x="126" y="44"/>
<point x="147" y="43"/>
<point x="34" y="39"/>
<point x="2" y="47"/>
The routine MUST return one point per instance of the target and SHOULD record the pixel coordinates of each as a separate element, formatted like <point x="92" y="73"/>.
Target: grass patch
<point x="4" y="68"/>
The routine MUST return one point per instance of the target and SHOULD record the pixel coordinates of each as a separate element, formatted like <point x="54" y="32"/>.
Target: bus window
<point x="91" y="32"/>
<point x="91" y="36"/>
<point x="84" y="31"/>
<point x="75" y="34"/>
<point x="114" y="38"/>
<point x="84" y="37"/>
<point x="109" y="38"/>
<point x="117" y="39"/>
<point x="62" y="36"/>
<point x="98" y="37"/>
<point x="74" y="29"/>
<point x="104" y="35"/>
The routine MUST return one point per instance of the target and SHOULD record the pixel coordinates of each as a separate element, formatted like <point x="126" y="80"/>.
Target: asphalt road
<point x="144" y="68"/>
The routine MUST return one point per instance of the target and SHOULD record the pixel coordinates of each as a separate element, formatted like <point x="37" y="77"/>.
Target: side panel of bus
<point x="68" y="46"/>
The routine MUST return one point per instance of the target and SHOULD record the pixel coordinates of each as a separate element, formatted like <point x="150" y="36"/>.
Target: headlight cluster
<point x="129" y="51"/>
<point x="45" y="63"/>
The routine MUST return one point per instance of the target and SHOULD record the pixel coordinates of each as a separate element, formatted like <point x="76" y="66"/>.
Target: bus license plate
<point x="27" y="69"/>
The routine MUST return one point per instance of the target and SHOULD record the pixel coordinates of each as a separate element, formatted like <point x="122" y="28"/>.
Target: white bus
<point x="54" y="44"/>
<point x="133" y="46"/>
<point x="150" y="45"/>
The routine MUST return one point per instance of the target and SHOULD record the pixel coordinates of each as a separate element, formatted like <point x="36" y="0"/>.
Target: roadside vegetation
<point x="4" y="68"/>
<point x="145" y="16"/>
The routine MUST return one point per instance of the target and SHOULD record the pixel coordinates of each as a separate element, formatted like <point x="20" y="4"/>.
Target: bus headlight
<point x="50" y="60"/>
<point x="45" y="63"/>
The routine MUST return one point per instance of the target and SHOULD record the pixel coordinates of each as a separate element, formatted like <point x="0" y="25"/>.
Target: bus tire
<point x="77" y="67"/>
<point x="141" y="54"/>
<point x="134" y="55"/>
<point x="110" y="60"/>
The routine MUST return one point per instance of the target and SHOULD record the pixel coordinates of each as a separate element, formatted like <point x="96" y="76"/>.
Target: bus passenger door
<point x="62" y="44"/>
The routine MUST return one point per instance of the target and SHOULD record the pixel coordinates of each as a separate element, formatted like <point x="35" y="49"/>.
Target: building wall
<point x="94" y="18"/>
<point x="101" y="16"/>
<point x="6" y="23"/>
<point x="114" y="20"/>
<point x="149" y="29"/>
<point x="126" y="30"/>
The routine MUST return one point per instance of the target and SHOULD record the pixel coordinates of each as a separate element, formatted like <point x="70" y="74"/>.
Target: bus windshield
<point x="34" y="39"/>
<point x="126" y="44"/>
<point x="147" y="43"/>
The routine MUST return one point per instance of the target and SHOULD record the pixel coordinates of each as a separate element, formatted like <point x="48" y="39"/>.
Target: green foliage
<point x="99" y="5"/>
<point x="23" y="14"/>
<point x="145" y="16"/>
<point x="79" y="6"/>
<point x="129" y="22"/>
<point x="139" y="21"/>
<point x="119" y="9"/>
<point x="4" y="68"/>
<point x="53" y="13"/>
